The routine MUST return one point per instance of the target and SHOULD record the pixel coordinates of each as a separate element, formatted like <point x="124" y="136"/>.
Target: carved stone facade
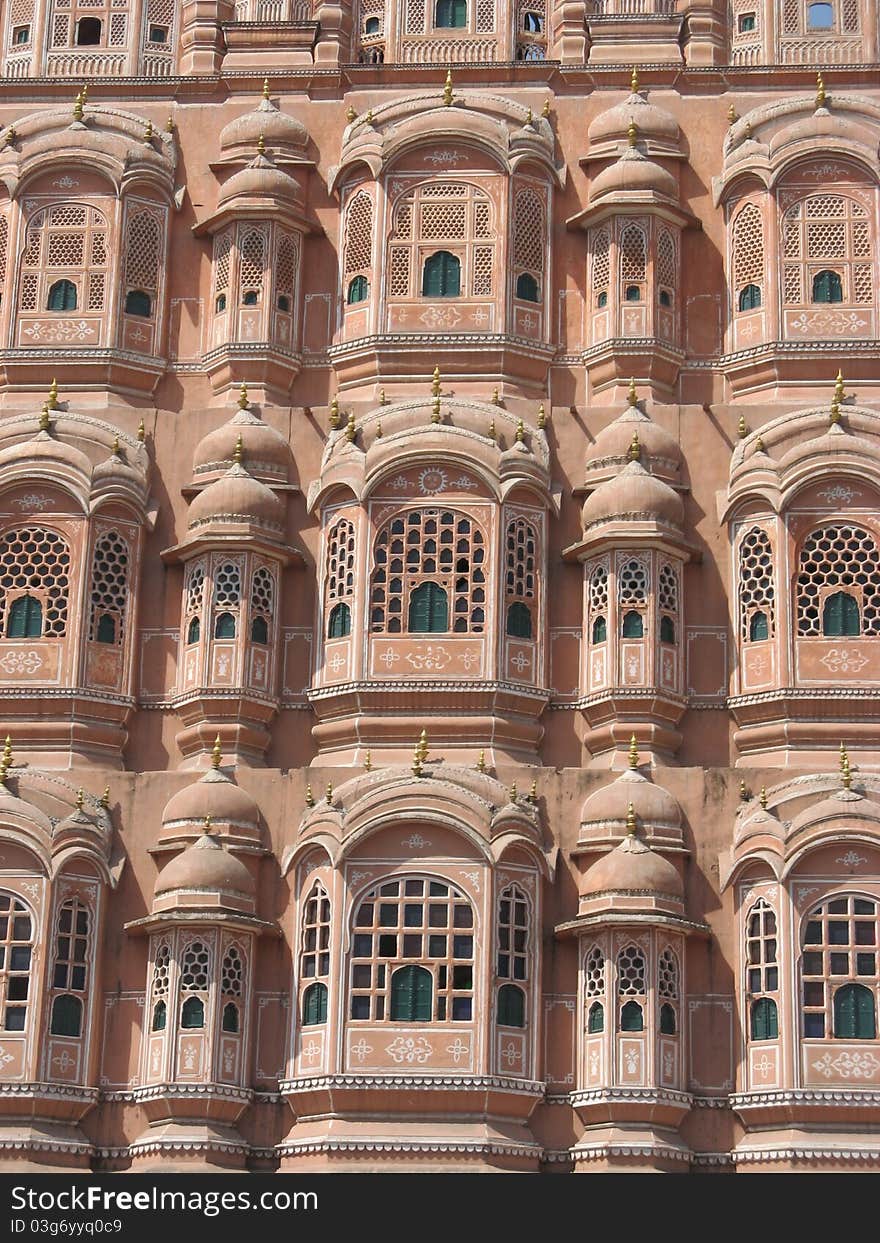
<point x="439" y="568"/>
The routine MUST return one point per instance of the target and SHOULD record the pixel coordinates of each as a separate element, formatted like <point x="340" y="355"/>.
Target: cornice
<point x="828" y="1098"/>
<point x="410" y="1083"/>
<point x="205" y="1091"/>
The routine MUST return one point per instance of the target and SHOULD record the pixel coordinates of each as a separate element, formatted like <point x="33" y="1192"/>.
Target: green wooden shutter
<point x="765" y="1019"/>
<point x="412" y="991"/>
<point x="827" y="287"/>
<point x="633" y="626"/>
<point x="511" y="1006"/>
<point x="667" y="630"/>
<point x="340" y="622"/>
<point x="600" y="630"/>
<point x="194" y="631"/>
<point x="631" y="1017"/>
<point x="428" y="610"/>
<point x="160" y="1016"/>
<point x="315" y="1005"/>
<point x="758" y="628"/>
<point x="224" y="626"/>
<point x="668" y="1025"/>
<point x="106" y="632"/>
<point x="840" y="616"/>
<point x="66" y="1016"/>
<point x="192" y="1015"/>
<point x="596" y="1018"/>
<point x="854" y="1017"/>
<point x="519" y="621"/>
<point x="442" y="276"/>
<point x="25" y="619"/>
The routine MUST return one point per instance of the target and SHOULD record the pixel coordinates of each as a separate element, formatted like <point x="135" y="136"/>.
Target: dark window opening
<point x="428" y="610"/>
<point x="665" y="297"/>
<point x="371" y="26"/>
<point x="527" y="287"/>
<point x="758" y="627"/>
<point x="358" y="289"/>
<point x="533" y="23"/>
<point x="160" y="1017"/>
<point x="749" y="298"/>
<point x="314" y="1009"/>
<point x="412" y="991"/>
<point x="106" y="631"/>
<point x="765" y="1019"/>
<point x="283" y="303"/>
<point x="633" y="293"/>
<point x="220" y="303"/>
<point x="62" y="296"/>
<point x="66" y="1016"/>
<point x="600" y="630"/>
<point x="194" y="631"/>
<point x="21" y="34"/>
<point x="840" y="616"/>
<point x="192" y="1014"/>
<point x="88" y="32"/>
<point x="519" y="621"/>
<point x="827" y="287"/>
<point x="224" y="626"/>
<point x="633" y="625"/>
<point x="138" y="303"/>
<point x="596" y="1018"/>
<point x="667" y="630"/>
<point x="632" y="1018"/>
<point x="854" y="1017"/>
<point x="511" y="1006"/>
<point x="340" y="622"/>
<point x="602" y="300"/>
<point x="158" y="34"/>
<point x="747" y="22"/>
<point x="451" y="14"/>
<point x="230" y="1018"/>
<point x="250" y="297"/>
<point x="668" y="1025"/>
<point x="441" y="276"/>
<point x="259" y="630"/>
<point x="25" y="620"/>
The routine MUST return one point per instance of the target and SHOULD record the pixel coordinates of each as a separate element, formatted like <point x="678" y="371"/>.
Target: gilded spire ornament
<point x="834" y="415"/>
<point x="265" y="88"/>
<point x="114" y="450"/>
<point x="748" y="129"/>
<point x="481" y="762"/>
<point x="839" y="389"/>
<point x="520" y="432"/>
<point x="423" y="745"/>
<point x="732" y="115"/>
<point x="383" y="400"/>
<point x="85" y="92"/>
<point x="492" y="429"/>
<point x="243" y="402"/>
<point x="530" y="118"/>
<point x="635" y="448"/>
<point x="141" y="432"/>
<point x="368" y="119"/>
<point x="310" y="798"/>
<point x="631" y="820"/>
<point x="238" y="451"/>
<point x="7" y="751"/>
<point x="741" y="429"/>
<point x="10" y="136"/>
<point x="329" y="794"/>
<point x="447" y="89"/>
<point x="821" y="94"/>
<point x="743" y="792"/>
<point x="633" y="752"/>
<point x="845" y="770"/>
<point x="44" y="417"/>
<point x="417" y="761"/>
<point x="435" y="382"/>
<point x="542" y="417"/>
<point x="631" y="396"/>
<point x="496" y="400"/>
<point x="53" y="394"/>
<point x="78" y="107"/>
<point x="545" y="111"/>
<point x="148" y="134"/>
<point x="368" y="762"/>
<point x="169" y="125"/>
<point x="759" y="445"/>
<point x="80" y="798"/>
<point x="216" y="754"/>
<point x="350" y="114"/>
<point x="634" y="81"/>
<point x="208" y="824"/>
<point x="632" y="134"/>
<point x="762" y="798"/>
<point x="261" y="145"/>
<point x="512" y="796"/>
<point x="350" y="429"/>
<point x="379" y="430"/>
<point x="334" y="413"/>
<point x="533" y="792"/>
<point x="105" y="798"/>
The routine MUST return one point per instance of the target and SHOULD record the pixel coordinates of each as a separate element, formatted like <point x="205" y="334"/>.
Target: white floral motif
<point x="458" y="1050"/>
<point x="361" y="1050"/>
<point x="415" y="841"/>
<point x="469" y="659"/>
<point x="510" y="1053"/>
<point x="594" y="1064"/>
<point x="63" y="1061"/>
<point x="851" y="859"/>
<point x="336" y="662"/>
<point x="399" y="484"/>
<point x="442" y="157"/>
<point x="837" y="322"/>
<point x="21" y="662"/>
<point x="668" y="1064"/>
<point x="440" y="317"/>
<point x="389" y="657"/>
<point x="844" y="660"/>
<point x="410" y="1049"/>
<point x="520" y="662"/>
<point x="311" y="1052"/>
<point x="848" y="1065"/>
<point x="66" y="330"/>
<point x="463" y="481"/>
<point x="765" y="1066"/>
<point x="65" y="183"/>
<point x="840" y="494"/>
<point x="431" y="658"/>
<point x="189" y="1057"/>
<point x="474" y="878"/>
<point x="32" y="500"/>
<point x="631" y="1060"/>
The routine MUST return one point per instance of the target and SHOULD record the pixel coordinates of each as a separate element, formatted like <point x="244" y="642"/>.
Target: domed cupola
<point x="659" y="450"/>
<point x="633" y="496"/>
<point x="633" y="178"/>
<point x="237" y="500"/>
<point x="280" y="132"/>
<point x="266" y="451"/>
<point x="630" y="875"/>
<point x="605" y="811"/>
<point x="608" y="132"/>
<point x="216" y="797"/>
<point x="205" y="876"/>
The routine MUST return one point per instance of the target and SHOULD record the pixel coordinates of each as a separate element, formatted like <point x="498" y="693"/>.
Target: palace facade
<point x="439" y="585"/>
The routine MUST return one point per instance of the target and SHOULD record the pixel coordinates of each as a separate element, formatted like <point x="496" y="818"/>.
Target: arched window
<point x="598" y="604"/>
<point x="220" y="303"/>
<point x="827" y="286"/>
<point x="533" y="23"/>
<point x="749" y="298"/>
<point x="371" y="26"/>
<point x="25" y="619"/>
<point x="665" y="298"/>
<point x="756" y="590"/>
<point x="314" y="1005"/>
<point x="159" y="991"/>
<point x="451" y="14"/>
<point x="633" y="260"/>
<point x="839" y="956"/>
<point x="633" y="293"/>
<point x="250" y="297"/>
<point x="840" y="615"/>
<point x="259" y="630"/>
<point x="429" y="925"/>
<point x="231" y="988"/>
<point x="631" y="988"/>
<point x="668" y="992"/>
<point x="441" y="276"/>
<point x="843" y="556"/>
<point x="827" y="252"/>
<point x="854" y="1014"/>
<point x="16" y="949"/>
<point x="633" y="626"/>
<point x="62" y="296"/>
<point x="110" y="587"/>
<point x="667" y="602"/>
<point x="192" y="1013"/>
<point x="138" y="302"/>
<point x="88" y="32"/>
<point x="820" y="16"/>
<point x="527" y="287"/>
<point x="229" y="1022"/>
<point x="600" y="249"/>
<point x="667" y="1020"/>
<point x="600" y="630"/>
<point x="519" y="621"/>
<point x="443" y="548"/>
<point x="596" y="1018"/>
<point x="667" y="630"/>
<point x="224" y="626"/>
<point x="358" y="289"/>
<point x="37" y="561"/>
<point x="594" y="989"/>
<point x="252" y="247"/>
<point x="194" y="631"/>
<point x="511" y="1006"/>
<point x="262" y="604"/>
<point x="221" y="265"/>
<point x="70" y="966"/>
<point x="748" y="256"/>
<point x="428" y="610"/>
<point x="340" y="622"/>
<point x="513" y="934"/>
<point x="764" y="1021"/>
<point x="359" y="243"/>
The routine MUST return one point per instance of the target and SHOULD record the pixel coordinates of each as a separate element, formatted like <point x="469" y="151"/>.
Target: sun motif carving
<point x="431" y="481"/>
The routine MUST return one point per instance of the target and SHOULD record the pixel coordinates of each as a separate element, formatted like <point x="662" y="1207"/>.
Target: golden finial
<point x="238" y="451"/>
<point x="631" y="820"/>
<point x="545" y="111"/>
<point x="743" y="792"/>
<point x="383" y="400"/>
<point x="80" y="798"/>
<point x="379" y="430"/>
<point x="742" y="430"/>
<point x="435" y="409"/>
<point x="265" y="88"/>
<point x="10" y="136"/>
<point x="368" y="119"/>
<point x="78" y="107"/>
<point x="512" y="796"/>
<point x="417" y="761"/>
<point x="631" y="396"/>
<point x="208" y="822"/>
<point x="520" y="431"/>
<point x="310" y="798"/>
<point x="533" y="792"/>
<point x="148" y="134"/>
<point x="447" y="88"/>
<point x="169" y="125"/>
<point x="329" y="794"/>
<point x="748" y="129"/>
<point x="243" y="402"/>
<point x="85" y="92"/>
<point x="732" y="115"/>
<point x="44" y="417"/>
<point x="496" y="400"/>
<point x="350" y="429"/>
<point x="821" y="95"/>
<point x="261" y="145"/>
<point x="216" y="754"/>
<point x="632" y="134"/>
<point x="634" y="81"/>
<point x="491" y="429"/>
<point x="834" y="416"/>
<point x="105" y="798"/>
<point x="481" y="762"/>
<point x="762" y="798"/>
<point x="368" y="762"/>
<point x="530" y="117"/>
<point x="635" y="448"/>
<point x="845" y="771"/>
<point x="423" y="745"/>
<point x="7" y="751"/>
<point x="141" y="432"/>
<point x="334" y="413"/>
<point x="350" y="114"/>
<point x="633" y="751"/>
<point x="435" y="382"/>
<point x="759" y="445"/>
<point x="542" y="417"/>
<point x="53" y="395"/>
<point x="839" y="390"/>
<point x="115" y="449"/>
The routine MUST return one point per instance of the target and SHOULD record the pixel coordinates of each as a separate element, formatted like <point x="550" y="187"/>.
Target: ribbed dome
<point x="613" y="442"/>
<point x="633" y="494"/>
<point x="264" y="449"/>
<point x="651" y="122"/>
<point x="45" y="448"/>
<point x="634" y="174"/>
<point x="116" y="467"/>
<point x="817" y="128"/>
<point x="277" y="129"/>
<point x="214" y="795"/>
<point x="260" y="178"/>
<point x="654" y="807"/>
<point x="206" y="865"/>
<point x="237" y="497"/>
<point x="632" y="867"/>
